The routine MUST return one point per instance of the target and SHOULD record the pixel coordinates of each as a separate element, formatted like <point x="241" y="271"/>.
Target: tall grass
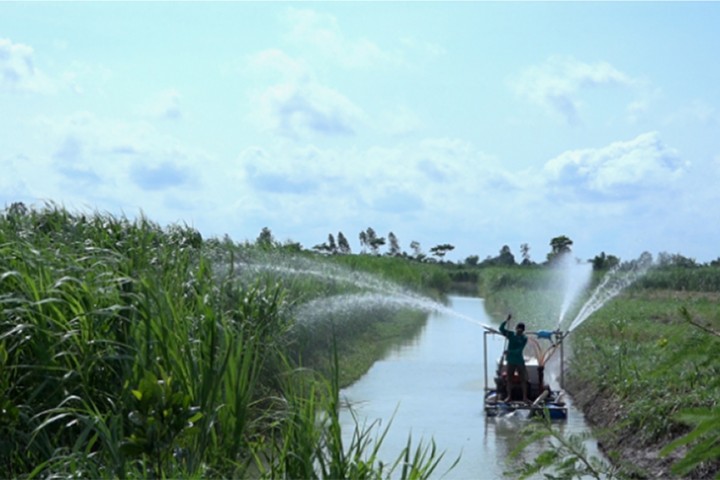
<point x="126" y="353"/>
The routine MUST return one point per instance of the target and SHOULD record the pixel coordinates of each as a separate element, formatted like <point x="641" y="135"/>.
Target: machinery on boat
<point x="543" y="399"/>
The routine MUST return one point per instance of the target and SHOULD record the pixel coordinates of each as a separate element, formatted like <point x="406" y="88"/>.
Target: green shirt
<point x="516" y="345"/>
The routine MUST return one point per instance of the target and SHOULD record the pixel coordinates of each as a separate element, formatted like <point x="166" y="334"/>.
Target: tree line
<point x="371" y="243"/>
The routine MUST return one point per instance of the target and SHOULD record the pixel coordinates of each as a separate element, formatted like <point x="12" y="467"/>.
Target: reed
<point x="128" y="350"/>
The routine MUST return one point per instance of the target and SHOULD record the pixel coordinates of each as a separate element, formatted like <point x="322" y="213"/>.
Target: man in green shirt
<point x="514" y="357"/>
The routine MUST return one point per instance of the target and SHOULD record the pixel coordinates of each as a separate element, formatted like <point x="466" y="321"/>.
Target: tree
<point x="265" y="240"/>
<point x="373" y="241"/>
<point x="440" y="250"/>
<point x="417" y="251"/>
<point x="332" y="246"/>
<point x="472" y="260"/>
<point x="394" y="247"/>
<point x="363" y="240"/>
<point x="290" y="246"/>
<point x="343" y="245"/>
<point x="559" y="246"/>
<point x="321" y="247"/>
<point x="376" y="244"/>
<point x="604" y="262"/>
<point x="525" y="253"/>
<point x="675" y="260"/>
<point x="505" y="258"/>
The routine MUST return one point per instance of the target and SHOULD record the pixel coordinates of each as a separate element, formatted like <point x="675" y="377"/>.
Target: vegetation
<point x="644" y="367"/>
<point x="129" y="350"/>
<point x="566" y="456"/>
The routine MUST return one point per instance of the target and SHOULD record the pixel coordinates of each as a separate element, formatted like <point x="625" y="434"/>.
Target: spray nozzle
<point x="546" y="334"/>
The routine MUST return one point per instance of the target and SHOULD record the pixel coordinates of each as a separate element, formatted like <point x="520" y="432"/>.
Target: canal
<point x="432" y="389"/>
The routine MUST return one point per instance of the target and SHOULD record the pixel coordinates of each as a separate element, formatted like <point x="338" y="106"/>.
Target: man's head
<point x="520" y="328"/>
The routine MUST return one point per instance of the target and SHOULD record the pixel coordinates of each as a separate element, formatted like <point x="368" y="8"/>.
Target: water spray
<point x="614" y="282"/>
<point x="574" y="277"/>
<point x="375" y="292"/>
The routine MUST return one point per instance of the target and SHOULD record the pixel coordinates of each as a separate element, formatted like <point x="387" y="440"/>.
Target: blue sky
<point x="477" y="124"/>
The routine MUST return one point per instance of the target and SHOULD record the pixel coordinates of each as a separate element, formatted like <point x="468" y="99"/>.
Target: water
<point x="291" y="267"/>
<point x="432" y="388"/>
<point x="373" y="292"/>
<point x="612" y="284"/>
<point x="358" y="302"/>
<point x="574" y="278"/>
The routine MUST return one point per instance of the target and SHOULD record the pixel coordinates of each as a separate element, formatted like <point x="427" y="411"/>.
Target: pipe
<point x="485" y="334"/>
<point x="561" y="337"/>
<point x="542" y="397"/>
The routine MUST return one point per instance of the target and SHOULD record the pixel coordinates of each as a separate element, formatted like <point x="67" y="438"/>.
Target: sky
<point x="478" y="124"/>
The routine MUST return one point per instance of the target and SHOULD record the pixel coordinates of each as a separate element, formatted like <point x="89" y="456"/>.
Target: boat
<point x="543" y="400"/>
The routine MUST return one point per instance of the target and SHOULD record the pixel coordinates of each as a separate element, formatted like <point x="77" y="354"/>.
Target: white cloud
<point x="413" y="178"/>
<point x="12" y="182"/>
<point x="98" y="160"/>
<point x="18" y="71"/>
<point x="297" y="109"/>
<point x="558" y="83"/>
<point x="322" y="32"/>
<point x="621" y="170"/>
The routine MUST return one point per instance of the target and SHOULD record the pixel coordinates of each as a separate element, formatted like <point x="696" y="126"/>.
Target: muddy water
<point x="432" y="389"/>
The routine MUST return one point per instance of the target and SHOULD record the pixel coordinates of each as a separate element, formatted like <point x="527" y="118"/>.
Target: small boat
<point x="543" y="400"/>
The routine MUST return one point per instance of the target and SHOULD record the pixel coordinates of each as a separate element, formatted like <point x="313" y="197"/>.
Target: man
<point x="514" y="357"/>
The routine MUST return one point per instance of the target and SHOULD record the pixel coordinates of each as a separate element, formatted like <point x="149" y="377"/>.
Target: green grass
<point x="641" y="350"/>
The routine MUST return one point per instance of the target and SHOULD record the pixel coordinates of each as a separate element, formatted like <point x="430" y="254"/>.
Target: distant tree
<point x="363" y="240"/>
<point x="376" y="244"/>
<point x="646" y="258"/>
<point x="472" y="260"/>
<point x="328" y="247"/>
<point x="321" y="247"/>
<point x="675" y="260"/>
<point x="440" y="250"/>
<point x="332" y="246"/>
<point x="290" y="246"/>
<point x="559" y="246"/>
<point x="604" y="262"/>
<point x="394" y="246"/>
<point x="505" y="258"/>
<point x="525" y="253"/>
<point x="684" y="262"/>
<point x="417" y="251"/>
<point x="343" y="245"/>
<point x="373" y="241"/>
<point x="265" y="240"/>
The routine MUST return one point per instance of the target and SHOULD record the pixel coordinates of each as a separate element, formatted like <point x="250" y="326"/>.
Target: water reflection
<point x="432" y="388"/>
